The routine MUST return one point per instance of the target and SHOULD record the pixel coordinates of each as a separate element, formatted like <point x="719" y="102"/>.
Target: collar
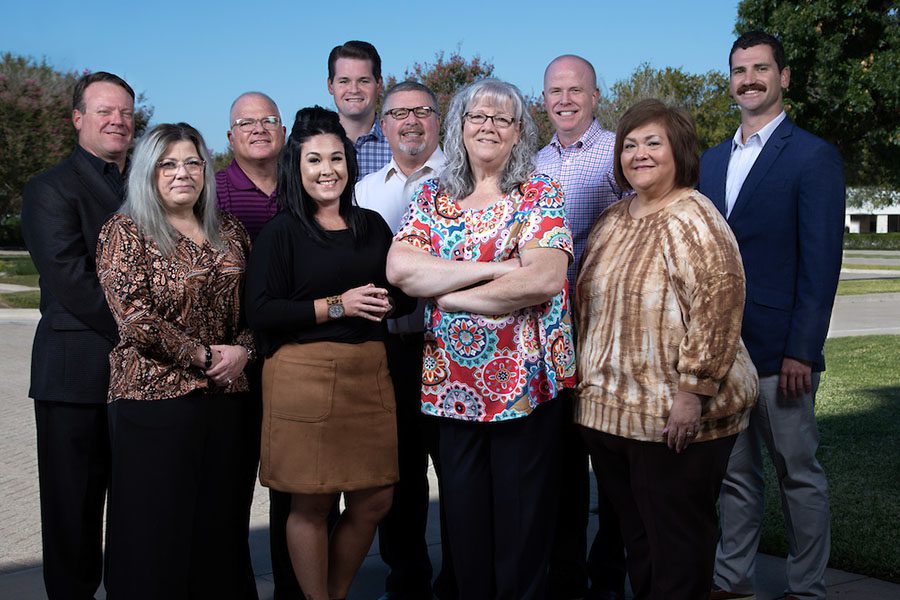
<point x="98" y="163"/>
<point x="435" y="162"/>
<point x="587" y="139"/>
<point x="238" y="179"/>
<point x="374" y="134"/>
<point x="764" y="134"/>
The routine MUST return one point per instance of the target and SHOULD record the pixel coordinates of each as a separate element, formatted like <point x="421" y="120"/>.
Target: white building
<point x="868" y="219"/>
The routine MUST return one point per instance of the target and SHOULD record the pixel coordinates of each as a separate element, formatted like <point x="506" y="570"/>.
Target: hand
<point x="684" y="421"/>
<point x="796" y="377"/>
<point x="367" y="301"/>
<point x="228" y="364"/>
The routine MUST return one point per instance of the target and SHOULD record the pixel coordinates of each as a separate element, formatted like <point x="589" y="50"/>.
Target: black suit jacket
<point x="62" y="212"/>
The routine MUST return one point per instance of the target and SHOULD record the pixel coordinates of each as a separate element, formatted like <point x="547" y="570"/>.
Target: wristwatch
<point x="335" y="307"/>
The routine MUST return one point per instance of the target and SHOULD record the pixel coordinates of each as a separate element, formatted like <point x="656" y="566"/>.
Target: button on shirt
<point x="585" y="171"/>
<point x="372" y="151"/>
<point x="389" y="192"/>
<point x="743" y="157"/>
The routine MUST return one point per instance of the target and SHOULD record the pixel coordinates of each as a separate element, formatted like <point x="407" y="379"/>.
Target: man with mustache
<point x="354" y="79"/>
<point x="580" y="156"/>
<point x="247" y="189"/>
<point x="782" y="190"/>
<point x="62" y="212"/>
<point x="411" y="123"/>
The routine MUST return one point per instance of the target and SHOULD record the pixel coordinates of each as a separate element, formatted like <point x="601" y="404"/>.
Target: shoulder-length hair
<point x="292" y="196"/>
<point x="456" y="178"/>
<point x="680" y="130"/>
<point x="142" y="200"/>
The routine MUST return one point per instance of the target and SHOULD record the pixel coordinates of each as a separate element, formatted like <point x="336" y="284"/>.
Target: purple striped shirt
<point x="240" y="196"/>
<point x="585" y="171"/>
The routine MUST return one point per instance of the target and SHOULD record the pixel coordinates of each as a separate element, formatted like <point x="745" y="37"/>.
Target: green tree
<point x="36" y="123"/>
<point x="844" y="57"/>
<point x="705" y="96"/>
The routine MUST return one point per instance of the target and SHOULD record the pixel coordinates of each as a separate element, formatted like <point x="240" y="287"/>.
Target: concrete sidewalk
<point x="20" y="573"/>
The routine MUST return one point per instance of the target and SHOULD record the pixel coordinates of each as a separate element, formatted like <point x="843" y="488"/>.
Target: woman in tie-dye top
<point x="488" y="245"/>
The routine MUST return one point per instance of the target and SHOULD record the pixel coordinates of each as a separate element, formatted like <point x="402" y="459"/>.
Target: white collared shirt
<point x="389" y="192"/>
<point x="743" y="157"/>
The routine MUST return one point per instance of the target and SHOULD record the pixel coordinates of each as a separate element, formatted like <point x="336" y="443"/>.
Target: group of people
<point x="346" y="301"/>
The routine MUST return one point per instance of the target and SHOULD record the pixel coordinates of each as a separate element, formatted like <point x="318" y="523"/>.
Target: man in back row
<point x="354" y="79"/>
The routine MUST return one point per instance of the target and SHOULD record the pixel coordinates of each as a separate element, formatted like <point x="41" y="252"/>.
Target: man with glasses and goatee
<point x="247" y="189"/>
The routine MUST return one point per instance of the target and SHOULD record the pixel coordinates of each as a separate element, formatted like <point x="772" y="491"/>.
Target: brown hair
<point x="680" y="130"/>
<point x="85" y="81"/>
<point x="355" y="49"/>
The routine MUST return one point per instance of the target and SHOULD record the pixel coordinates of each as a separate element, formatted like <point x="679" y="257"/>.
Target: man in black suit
<point x="62" y="212"/>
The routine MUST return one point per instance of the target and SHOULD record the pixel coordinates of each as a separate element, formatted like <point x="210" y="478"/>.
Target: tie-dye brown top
<point x="166" y="306"/>
<point x="659" y="303"/>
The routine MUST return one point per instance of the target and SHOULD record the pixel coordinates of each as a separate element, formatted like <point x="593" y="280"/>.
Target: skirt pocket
<point x="300" y="389"/>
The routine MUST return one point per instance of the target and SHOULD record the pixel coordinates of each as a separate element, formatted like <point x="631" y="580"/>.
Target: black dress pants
<point x="73" y="473"/>
<point x="499" y="487"/>
<point x="666" y="504"/>
<point x="178" y="499"/>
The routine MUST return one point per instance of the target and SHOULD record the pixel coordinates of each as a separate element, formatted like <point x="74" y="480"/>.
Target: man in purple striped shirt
<point x="580" y="156"/>
<point x="246" y="188"/>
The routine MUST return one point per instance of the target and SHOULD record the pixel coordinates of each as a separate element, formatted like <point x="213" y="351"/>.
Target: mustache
<point x="751" y="87"/>
<point x="412" y="129"/>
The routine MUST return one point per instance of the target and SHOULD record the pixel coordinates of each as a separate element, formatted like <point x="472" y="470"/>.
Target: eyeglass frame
<point x="251" y="123"/>
<point x="468" y="117"/>
<point x="169" y="171"/>
<point x="430" y="110"/>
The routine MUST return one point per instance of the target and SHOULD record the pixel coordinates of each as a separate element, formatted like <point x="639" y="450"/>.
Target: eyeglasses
<point x="269" y="123"/>
<point x="169" y="167"/>
<point x="423" y="112"/>
<point x="499" y="121"/>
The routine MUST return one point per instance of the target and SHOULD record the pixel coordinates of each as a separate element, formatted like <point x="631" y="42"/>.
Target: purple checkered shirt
<point x="585" y="171"/>
<point x="372" y="151"/>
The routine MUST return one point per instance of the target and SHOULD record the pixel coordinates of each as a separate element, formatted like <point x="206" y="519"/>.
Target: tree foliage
<point x="845" y="76"/>
<point x="705" y="96"/>
<point x="36" y="123"/>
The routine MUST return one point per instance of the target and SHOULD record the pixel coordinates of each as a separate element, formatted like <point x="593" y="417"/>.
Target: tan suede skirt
<point x="328" y="419"/>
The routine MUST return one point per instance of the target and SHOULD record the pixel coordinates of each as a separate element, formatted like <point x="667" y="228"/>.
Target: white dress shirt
<point x="743" y="157"/>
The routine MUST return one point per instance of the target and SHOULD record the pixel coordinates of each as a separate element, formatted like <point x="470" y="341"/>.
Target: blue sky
<point x="191" y="59"/>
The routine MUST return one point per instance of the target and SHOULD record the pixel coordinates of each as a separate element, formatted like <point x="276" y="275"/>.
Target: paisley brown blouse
<point x="166" y="306"/>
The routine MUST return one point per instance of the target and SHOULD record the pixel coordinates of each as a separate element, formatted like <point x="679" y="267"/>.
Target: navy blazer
<point x="62" y="212"/>
<point x="789" y="223"/>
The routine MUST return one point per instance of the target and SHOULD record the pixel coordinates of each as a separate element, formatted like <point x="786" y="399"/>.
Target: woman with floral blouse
<point x="172" y="269"/>
<point x="488" y="245"/>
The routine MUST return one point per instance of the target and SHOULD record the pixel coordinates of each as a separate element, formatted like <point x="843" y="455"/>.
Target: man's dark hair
<point x="410" y="86"/>
<point x="358" y="50"/>
<point x="85" y="81"/>
<point x="756" y="38"/>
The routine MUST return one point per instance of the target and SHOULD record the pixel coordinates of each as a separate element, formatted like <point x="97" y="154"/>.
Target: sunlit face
<point x="570" y="95"/>
<point x="106" y="127"/>
<point x="180" y="191"/>
<point x="412" y="136"/>
<point x="323" y="168"/>
<point x="488" y="146"/>
<point x="259" y="144"/>
<point x="647" y="160"/>
<point x="756" y="84"/>
<point x="354" y="87"/>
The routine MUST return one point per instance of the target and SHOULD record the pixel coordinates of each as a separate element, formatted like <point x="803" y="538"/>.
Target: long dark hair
<point x="292" y="196"/>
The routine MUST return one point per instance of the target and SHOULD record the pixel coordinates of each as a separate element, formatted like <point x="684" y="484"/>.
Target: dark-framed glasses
<point x="169" y="167"/>
<point x="423" y="112"/>
<point x="499" y="121"/>
<point x="269" y="123"/>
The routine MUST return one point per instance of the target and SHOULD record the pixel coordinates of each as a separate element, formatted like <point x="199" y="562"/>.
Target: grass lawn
<point x="31" y="299"/>
<point x="871" y="267"/>
<point x="858" y="411"/>
<point x="850" y="287"/>
<point x="18" y="269"/>
<point x="857" y="254"/>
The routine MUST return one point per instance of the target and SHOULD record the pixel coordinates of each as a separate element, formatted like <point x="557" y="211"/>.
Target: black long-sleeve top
<point x="288" y="271"/>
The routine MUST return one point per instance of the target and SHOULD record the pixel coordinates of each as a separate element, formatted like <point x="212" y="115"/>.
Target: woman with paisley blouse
<point x="488" y="245"/>
<point x="172" y="270"/>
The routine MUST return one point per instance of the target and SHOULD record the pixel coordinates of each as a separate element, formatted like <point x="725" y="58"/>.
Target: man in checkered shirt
<point x="580" y="156"/>
<point x="354" y="79"/>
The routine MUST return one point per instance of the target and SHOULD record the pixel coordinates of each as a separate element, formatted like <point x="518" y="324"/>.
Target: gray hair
<point x="143" y="202"/>
<point x="456" y="178"/>
<point x="265" y="97"/>
<point x="410" y="86"/>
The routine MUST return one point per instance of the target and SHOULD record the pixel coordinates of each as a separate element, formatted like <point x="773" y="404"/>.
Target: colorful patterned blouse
<point x="167" y="306"/>
<point x="493" y="367"/>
